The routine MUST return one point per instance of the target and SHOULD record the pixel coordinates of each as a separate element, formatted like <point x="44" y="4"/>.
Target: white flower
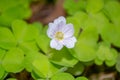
<point x="61" y="34"/>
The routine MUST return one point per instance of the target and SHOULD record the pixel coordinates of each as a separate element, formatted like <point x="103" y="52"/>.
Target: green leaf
<point x="5" y="20"/>
<point x="23" y="32"/>
<point x="99" y="20"/>
<point x="43" y="67"/>
<point x="62" y="76"/>
<point x="19" y="28"/>
<point x="93" y="6"/>
<point x="86" y="44"/>
<point x="105" y="53"/>
<point x="17" y="12"/>
<point x="76" y="5"/>
<point x="90" y="35"/>
<point x="13" y="60"/>
<point x="98" y="61"/>
<point x="118" y="63"/>
<point x="83" y="52"/>
<point x="112" y="10"/>
<point x="81" y="78"/>
<point x="62" y="57"/>
<point x="101" y="53"/>
<point x="76" y="70"/>
<point x="2" y="71"/>
<point x="77" y="20"/>
<point x="110" y="34"/>
<point x="12" y="3"/>
<point x="7" y="39"/>
<point x="29" y="58"/>
<point x="110" y="62"/>
<point x="14" y="10"/>
<point x="29" y="46"/>
<point x="35" y="76"/>
<point x="43" y="42"/>
<point x="2" y="54"/>
<point x="11" y="79"/>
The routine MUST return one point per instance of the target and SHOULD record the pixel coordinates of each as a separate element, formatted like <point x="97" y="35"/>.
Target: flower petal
<point x="60" y="19"/>
<point x="51" y="30"/>
<point x="70" y="42"/>
<point x="56" y="44"/>
<point x="68" y="30"/>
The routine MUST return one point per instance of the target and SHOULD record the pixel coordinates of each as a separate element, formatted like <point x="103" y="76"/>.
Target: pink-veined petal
<point x="56" y="44"/>
<point x="51" y="30"/>
<point x="68" y="30"/>
<point x="70" y="42"/>
<point x="60" y="19"/>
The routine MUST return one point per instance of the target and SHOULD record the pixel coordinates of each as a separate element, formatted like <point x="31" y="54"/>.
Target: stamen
<point x="59" y="35"/>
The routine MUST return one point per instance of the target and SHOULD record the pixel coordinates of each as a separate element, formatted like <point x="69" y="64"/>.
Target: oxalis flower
<point x="61" y="34"/>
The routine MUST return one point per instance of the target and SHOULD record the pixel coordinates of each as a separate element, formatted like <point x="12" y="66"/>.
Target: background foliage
<point x="25" y="46"/>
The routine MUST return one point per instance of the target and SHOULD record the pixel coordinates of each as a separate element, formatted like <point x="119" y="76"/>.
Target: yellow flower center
<point x="59" y="35"/>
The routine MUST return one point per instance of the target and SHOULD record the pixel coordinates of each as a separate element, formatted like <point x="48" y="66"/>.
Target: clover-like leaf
<point x="118" y="63"/>
<point x="62" y="57"/>
<point x="77" y="69"/>
<point x="112" y="10"/>
<point x="43" y="67"/>
<point x="86" y="44"/>
<point x="76" y="5"/>
<point x="62" y="76"/>
<point x="81" y="78"/>
<point x="31" y="55"/>
<point x="43" y="42"/>
<point x="29" y="46"/>
<point x="7" y="40"/>
<point x="12" y="3"/>
<point x="77" y="20"/>
<point x="11" y="79"/>
<point x="24" y="32"/>
<point x="13" y="60"/>
<point x="98" y="61"/>
<point x="105" y="53"/>
<point x="110" y="34"/>
<point x="2" y="71"/>
<point x="110" y="62"/>
<point x="94" y="6"/>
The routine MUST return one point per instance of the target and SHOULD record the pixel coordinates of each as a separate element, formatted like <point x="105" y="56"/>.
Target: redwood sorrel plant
<point x="93" y="37"/>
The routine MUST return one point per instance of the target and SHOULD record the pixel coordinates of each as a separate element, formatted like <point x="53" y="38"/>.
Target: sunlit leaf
<point x="83" y="52"/>
<point x="7" y="39"/>
<point x="98" y="61"/>
<point x="62" y="76"/>
<point x="43" y="67"/>
<point x="81" y="78"/>
<point x="112" y="10"/>
<point x="78" y="20"/>
<point x="43" y="42"/>
<point x="23" y="32"/>
<point x="12" y="3"/>
<point x="29" y="58"/>
<point x="77" y="69"/>
<point x="29" y="46"/>
<point x="13" y="60"/>
<point x="76" y="5"/>
<point x="2" y="71"/>
<point x="110" y="62"/>
<point x="94" y="6"/>
<point x="11" y="79"/>
<point x="118" y="63"/>
<point x="62" y="57"/>
<point x="110" y="34"/>
<point x="17" y="12"/>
